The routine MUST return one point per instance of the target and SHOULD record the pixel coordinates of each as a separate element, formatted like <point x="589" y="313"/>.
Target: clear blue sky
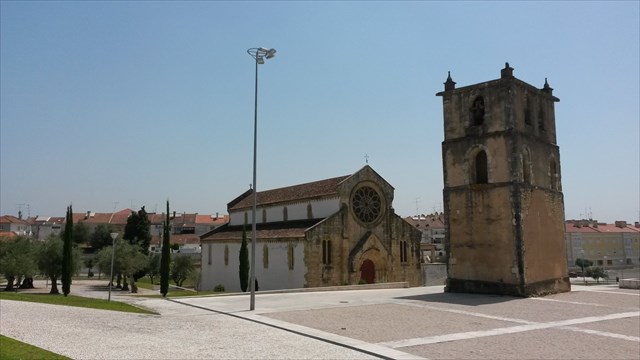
<point x="137" y="102"/>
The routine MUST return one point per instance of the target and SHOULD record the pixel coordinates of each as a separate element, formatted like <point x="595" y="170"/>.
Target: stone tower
<point x="503" y="201"/>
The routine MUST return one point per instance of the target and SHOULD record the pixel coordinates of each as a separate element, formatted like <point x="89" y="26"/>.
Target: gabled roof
<point x="431" y="221"/>
<point x="8" y="219"/>
<point x="309" y="190"/>
<point x="119" y="218"/>
<point x="212" y="219"/>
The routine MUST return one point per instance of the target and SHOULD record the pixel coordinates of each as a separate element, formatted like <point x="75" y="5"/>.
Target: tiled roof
<point x="290" y="193"/>
<point x="7" y="235"/>
<point x="426" y="221"/>
<point x="285" y="229"/>
<point x="579" y="226"/>
<point x="212" y="219"/>
<point x="180" y="239"/>
<point x="8" y="219"/>
<point x="119" y="218"/>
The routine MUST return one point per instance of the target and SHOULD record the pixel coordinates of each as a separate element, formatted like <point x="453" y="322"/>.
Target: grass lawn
<point x="72" y="300"/>
<point x="11" y="349"/>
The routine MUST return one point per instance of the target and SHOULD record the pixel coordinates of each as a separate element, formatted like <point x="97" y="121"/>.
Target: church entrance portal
<point x="368" y="272"/>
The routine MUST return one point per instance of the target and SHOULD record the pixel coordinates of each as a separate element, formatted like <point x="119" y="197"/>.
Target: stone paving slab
<point x="594" y="322"/>
<point x="548" y="344"/>
<point x="386" y="322"/>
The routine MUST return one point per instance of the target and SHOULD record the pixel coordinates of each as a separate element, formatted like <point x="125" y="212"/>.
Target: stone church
<point x="503" y="202"/>
<point x="338" y="231"/>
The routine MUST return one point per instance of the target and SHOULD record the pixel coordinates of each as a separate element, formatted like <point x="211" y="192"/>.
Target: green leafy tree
<point x="101" y="237"/>
<point x="49" y="260"/>
<point x="67" y="253"/>
<point x="584" y="263"/>
<point x="597" y="273"/>
<point x="165" y="259"/>
<point x="17" y="260"/>
<point x="138" y="230"/>
<point x="89" y="263"/>
<point x="181" y="268"/>
<point x="81" y="233"/>
<point x="153" y="268"/>
<point x="244" y="262"/>
<point x="127" y="260"/>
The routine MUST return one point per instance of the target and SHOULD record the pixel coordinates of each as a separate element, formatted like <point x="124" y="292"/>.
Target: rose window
<point x="366" y="204"/>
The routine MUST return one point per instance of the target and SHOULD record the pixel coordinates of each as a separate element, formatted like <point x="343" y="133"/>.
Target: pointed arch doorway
<point x="368" y="272"/>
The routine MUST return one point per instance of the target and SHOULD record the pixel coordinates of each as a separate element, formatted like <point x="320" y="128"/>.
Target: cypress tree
<point x="67" y="253"/>
<point x="165" y="259"/>
<point x="244" y="262"/>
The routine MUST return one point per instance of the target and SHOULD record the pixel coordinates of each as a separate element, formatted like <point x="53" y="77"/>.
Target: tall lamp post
<point x="113" y="255"/>
<point x="259" y="54"/>
<point x="584" y="276"/>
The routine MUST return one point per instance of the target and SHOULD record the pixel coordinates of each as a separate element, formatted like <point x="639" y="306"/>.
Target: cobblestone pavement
<point x="591" y="322"/>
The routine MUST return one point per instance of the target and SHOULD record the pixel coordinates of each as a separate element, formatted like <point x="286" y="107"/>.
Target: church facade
<point x="337" y="231"/>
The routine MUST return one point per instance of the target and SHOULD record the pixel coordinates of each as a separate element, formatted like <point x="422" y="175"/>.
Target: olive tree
<point x="181" y="268"/>
<point x="17" y="260"/>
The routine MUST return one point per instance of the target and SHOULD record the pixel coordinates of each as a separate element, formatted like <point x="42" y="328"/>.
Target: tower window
<point x="482" y="175"/>
<point x="264" y="215"/>
<point x="526" y="166"/>
<point x="541" y="119"/>
<point x="553" y="174"/>
<point x="477" y="111"/>
<point x="285" y="214"/>
<point x="309" y="211"/>
<point x="527" y="112"/>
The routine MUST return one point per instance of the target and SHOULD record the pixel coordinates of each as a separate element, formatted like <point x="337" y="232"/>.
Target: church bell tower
<point x="503" y="202"/>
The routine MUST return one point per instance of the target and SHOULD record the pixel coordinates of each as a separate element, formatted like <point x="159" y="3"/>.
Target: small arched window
<point x="527" y="111"/>
<point x="309" y="211"/>
<point x="541" y="119"/>
<point x="553" y="174"/>
<point x="264" y="215"/>
<point x="480" y="167"/>
<point x="477" y="111"/>
<point x="285" y="214"/>
<point x="526" y="166"/>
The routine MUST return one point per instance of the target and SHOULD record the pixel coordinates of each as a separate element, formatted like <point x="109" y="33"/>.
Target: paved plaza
<point x="591" y="322"/>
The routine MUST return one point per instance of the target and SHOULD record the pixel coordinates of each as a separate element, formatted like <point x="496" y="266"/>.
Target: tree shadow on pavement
<point x="461" y="298"/>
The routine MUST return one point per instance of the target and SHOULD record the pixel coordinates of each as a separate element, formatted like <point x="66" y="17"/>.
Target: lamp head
<point x="271" y="53"/>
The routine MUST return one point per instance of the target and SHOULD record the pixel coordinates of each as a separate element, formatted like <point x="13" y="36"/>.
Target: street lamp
<point x="113" y="254"/>
<point x="584" y="276"/>
<point x="604" y="269"/>
<point x="259" y="54"/>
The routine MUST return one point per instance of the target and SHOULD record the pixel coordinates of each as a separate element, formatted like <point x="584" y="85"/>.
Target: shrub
<point x="219" y="288"/>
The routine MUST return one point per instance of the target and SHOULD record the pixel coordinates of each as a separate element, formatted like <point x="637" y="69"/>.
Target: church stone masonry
<point x="502" y="192"/>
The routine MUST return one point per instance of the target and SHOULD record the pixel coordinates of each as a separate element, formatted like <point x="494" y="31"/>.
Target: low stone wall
<point x="629" y="284"/>
<point x="434" y="274"/>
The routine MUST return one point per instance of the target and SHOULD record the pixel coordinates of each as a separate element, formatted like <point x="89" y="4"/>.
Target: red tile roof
<point x="7" y="235"/>
<point x="212" y="220"/>
<point x="118" y="218"/>
<point x="285" y="229"/>
<point x="180" y="239"/>
<point x="314" y="189"/>
<point x="8" y="219"/>
<point x="583" y="226"/>
<point x="260" y="234"/>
